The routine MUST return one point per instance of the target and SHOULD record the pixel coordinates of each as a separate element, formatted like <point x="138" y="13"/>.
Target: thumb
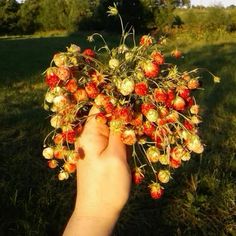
<point x="115" y="146"/>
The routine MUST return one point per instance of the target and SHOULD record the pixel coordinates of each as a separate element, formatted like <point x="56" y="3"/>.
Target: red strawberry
<point x="58" y="139"/>
<point x="189" y="101"/>
<point x="193" y="84"/>
<point x="160" y="95"/>
<point x="145" y="40"/>
<point x="80" y="95"/>
<point x="69" y="136"/>
<point x="92" y="89"/>
<point x="158" y="58"/>
<point x="174" y="163"/>
<point x="71" y="85"/>
<point x="128" y="137"/>
<point x="176" y="53"/>
<point x="179" y="104"/>
<point x="52" y="80"/>
<point x="151" y="70"/>
<point x="145" y="107"/>
<point x="123" y="113"/>
<point x="109" y="107"/>
<point x="137" y="120"/>
<point x="148" y="128"/>
<point x="184" y="93"/>
<point x="141" y="88"/>
<point x="70" y="168"/>
<point x="88" y="53"/>
<point x="59" y="152"/>
<point x="188" y="125"/>
<point x="137" y="175"/>
<point x="52" y="164"/>
<point x="156" y="190"/>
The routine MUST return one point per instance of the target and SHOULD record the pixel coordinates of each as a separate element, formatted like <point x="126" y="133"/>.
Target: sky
<point x="225" y="3"/>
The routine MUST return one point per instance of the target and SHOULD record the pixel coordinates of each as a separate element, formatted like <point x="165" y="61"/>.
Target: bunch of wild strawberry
<point x="148" y="101"/>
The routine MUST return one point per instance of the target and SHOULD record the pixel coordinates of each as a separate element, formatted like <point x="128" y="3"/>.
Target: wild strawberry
<point x="170" y="95"/>
<point x="186" y="77"/>
<point x="128" y="137"/>
<point x="116" y="125"/>
<point x="153" y="154"/>
<point x="60" y="59"/>
<point x="63" y="73"/>
<point x="52" y="80"/>
<point x="188" y="125"/>
<point x="58" y="139"/>
<point x="152" y="115"/>
<point x="193" y="84"/>
<point x="63" y="175"/>
<point x="48" y="152"/>
<point x="145" y="107"/>
<point x="52" y="164"/>
<point x="80" y="95"/>
<point x="97" y="77"/>
<point x="148" y="128"/>
<point x="172" y="117"/>
<point x="156" y="190"/>
<point x="146" y="40"/>
<point x="160" y="95"/>
<point x="71" y="85"/>
<point x="151" y="70"/>
<point x="194" y="109"/>
<point x="164" y="176"/>
<point x="177" y="152"/>
<point x="100" y="99"/>
<point x="56" y="121"/>
<point x="109" y="107"/>
<point x="126" y="86"/>
<point x="123" y="113"/>
<point x="74" y="48"/>
<point x="164" y="159"/>
<point x="141" y="88"/>
<point x="176" y="53"/>
<point x="158" y="58"/>
<point x="184" y="93"/>
<point x="70" y="168"/>
<point x="179" y="104"/>
<point x="195" y="120"/>
<point x="69" y="136"/>
<point x="163" y="111"/>
<point x="92" y="89"/>
<point x="101" y="118"/>
<point x="114" y="63"/>
<point x="189" y="101"/>
<point x="60" y="152"/>
<point x="72" y="156"/>
<point x="89" y="54"/>
<point x="174" y="163"/>
<point x="59" y="102"/>
<point x="137" y="120"/>
<point x="137" y="175"/>
<point x="193" y="143"/>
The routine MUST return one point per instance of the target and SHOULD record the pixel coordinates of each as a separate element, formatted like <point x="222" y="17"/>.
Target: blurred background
<point x="200" y="200"/>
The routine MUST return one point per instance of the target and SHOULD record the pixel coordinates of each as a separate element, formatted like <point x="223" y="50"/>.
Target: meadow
<point x="200" y="200"/>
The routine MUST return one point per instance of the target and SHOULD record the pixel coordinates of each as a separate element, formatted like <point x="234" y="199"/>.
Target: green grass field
<point x="199" y="201"/>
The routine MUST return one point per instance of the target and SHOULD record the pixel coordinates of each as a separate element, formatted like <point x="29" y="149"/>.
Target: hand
<point x="103" y="180"/>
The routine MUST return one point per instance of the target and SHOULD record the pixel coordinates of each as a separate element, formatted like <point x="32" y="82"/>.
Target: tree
<point x="28" y="16"/>
<point x="8" y="16"/>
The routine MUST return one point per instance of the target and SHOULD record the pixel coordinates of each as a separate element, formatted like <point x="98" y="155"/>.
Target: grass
<point x="199" y="201"/>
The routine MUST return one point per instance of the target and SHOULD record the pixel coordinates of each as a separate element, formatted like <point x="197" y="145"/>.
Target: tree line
<point x="30" y="16"/>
